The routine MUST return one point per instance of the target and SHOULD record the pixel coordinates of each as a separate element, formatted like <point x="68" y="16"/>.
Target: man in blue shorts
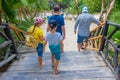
<point x="83" y="23"/>
<point x="60" y="22"/>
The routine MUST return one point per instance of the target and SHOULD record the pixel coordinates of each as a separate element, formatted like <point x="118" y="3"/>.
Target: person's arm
<point x="76" y="24"/>
<point x="40" y="34"/>
<point x="61" y="42"/>
<point x="45" y="43"/>
<point x="48" y="28"/>
<point x="42" y="38"/>
<point x="63" y="28"/>
<point x="63" y="31"/>
<point x="95" y="20"/>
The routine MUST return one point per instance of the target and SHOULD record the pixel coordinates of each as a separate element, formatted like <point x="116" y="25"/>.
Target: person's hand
<point x="75" y="32"/>
<point x="63" y="37"/>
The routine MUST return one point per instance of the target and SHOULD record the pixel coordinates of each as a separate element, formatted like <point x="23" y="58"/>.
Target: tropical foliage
<point x="21" y="12"/>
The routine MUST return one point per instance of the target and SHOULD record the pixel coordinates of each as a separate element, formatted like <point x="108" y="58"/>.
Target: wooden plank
<point x="7" y="60"/>
<point x="1" y="26"/>
<point x="80" y="60"/>
<point x="87" y="73"/>
<point x="6" y="43"/>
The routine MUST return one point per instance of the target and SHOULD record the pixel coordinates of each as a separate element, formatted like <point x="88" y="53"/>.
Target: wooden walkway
<point x="86" y="65"/>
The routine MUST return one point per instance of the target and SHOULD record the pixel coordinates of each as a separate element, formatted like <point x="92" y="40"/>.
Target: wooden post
<point x="8" y="34"/>
<point x="105" y="30"/>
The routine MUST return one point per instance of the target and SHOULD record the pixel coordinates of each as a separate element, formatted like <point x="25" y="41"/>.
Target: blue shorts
<point x="40" y="49"/>
<point x="81" y="38"/>
<point x="55" y="50"/>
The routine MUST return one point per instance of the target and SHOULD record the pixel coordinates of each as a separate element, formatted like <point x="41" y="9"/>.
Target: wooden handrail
<point x="93" y="49"/>
<point x="17" y="29"/>
<point x="92" y="40"/>
<point x="97" y="37"/>
<point x="96" y="27"/>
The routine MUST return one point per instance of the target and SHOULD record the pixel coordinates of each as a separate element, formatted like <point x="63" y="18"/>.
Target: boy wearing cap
<point x="55" y="40"/>
<point x="60" y="22"/>
<point x="83" y="24"/>
<point x="37" y="32"/>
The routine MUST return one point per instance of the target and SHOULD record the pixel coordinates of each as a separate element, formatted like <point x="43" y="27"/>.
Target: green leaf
<point x="8" y="10"/>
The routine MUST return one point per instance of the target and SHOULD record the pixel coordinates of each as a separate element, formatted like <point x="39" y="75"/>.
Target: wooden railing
<point x="8" y="50"/>
<point x="12" y="39"/>
<point x="108" y="49"/>
<point x="19" y="36"/>
<point x="95" y="37"/>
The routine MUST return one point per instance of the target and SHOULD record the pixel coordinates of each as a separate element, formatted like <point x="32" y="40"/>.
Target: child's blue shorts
<point x="55" y="50"/>
<point x="40" y="49"/>
<point x="81" y="38"/>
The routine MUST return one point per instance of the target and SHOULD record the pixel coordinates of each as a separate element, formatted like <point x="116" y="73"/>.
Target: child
<point x="55" y="41"/>
<point x="37" y="32"/>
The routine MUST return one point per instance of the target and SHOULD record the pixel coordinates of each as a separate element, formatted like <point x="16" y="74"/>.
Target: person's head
<point x="56" y="8"/>
<point x="38" y="21"/>
<point x="85" y="10"/>
<point x="53" y="25"/>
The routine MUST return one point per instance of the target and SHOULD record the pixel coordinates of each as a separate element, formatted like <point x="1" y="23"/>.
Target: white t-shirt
<point x="53" y="39"/>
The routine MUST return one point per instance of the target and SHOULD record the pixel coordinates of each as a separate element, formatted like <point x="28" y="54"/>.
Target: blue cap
<point x="84" y="9"/>
<point x="53" y="24"/>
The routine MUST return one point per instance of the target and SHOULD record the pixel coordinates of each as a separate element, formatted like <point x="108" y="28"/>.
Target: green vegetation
<point x="114" y="17"/>
<point x="21" y="10"/>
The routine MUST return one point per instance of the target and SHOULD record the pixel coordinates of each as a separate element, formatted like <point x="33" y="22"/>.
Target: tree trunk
<point x="102" y="11"/>
<point x="107" y="12"/>
<point x="110" y="9"/>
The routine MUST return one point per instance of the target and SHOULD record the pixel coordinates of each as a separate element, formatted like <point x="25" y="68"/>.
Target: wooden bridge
<point x="96" y="63"/>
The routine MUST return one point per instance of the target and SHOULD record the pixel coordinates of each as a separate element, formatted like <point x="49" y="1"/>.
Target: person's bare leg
<point x="62" y="48"/>
<point x="53" y="59"/>
<point x="56" y="67"/>
<point x="40" y="61"/>
<point x="85" y="45"/>
<point x="78" y="45"/>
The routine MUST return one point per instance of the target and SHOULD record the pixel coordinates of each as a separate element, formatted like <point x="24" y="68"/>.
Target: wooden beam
<point x="96" y="27"/>
<point x="7" y="60"/>
<point x="17" y="34"/>
<point x="1" y="26"/>
<point x="17" y="29"/>
<point x="5" y="44"/>
<point x="93" y="38"/>
<point x="93" y="49"/>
